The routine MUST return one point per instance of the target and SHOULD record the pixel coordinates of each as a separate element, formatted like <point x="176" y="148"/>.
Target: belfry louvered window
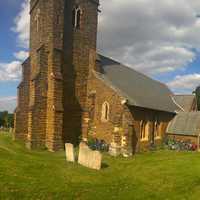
<point x="76" y="17"/>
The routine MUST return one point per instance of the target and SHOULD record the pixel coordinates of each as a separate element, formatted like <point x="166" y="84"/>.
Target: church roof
<point x="185" y="123"/>
<point x="186" y="102"/>
<point x="138" y="89"/>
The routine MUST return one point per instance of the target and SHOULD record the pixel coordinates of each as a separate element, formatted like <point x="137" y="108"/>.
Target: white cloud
<point x="150" y="35"/>
<point x="9" y="98"/>
<point x="21" y="26"/>
<point x="21" y="55"/>
<point x="8" y="103"/>
<point x="185" y="83"/>
<point x="10" y="71"/>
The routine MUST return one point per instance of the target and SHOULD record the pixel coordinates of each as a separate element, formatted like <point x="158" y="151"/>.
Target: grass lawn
<point x="39" y="175"/>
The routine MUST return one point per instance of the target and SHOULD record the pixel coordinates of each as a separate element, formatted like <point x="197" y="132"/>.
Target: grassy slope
<point x="43" y="175"/>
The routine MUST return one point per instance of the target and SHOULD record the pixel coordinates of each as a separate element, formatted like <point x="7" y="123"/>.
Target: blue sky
<point x="8" y="11"/>
<point x="158" y="41"/>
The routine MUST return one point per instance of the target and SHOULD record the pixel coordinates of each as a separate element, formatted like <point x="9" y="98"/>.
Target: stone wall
<point x="125" y="120"/>
<point x="21" y="113"/>
<point x="46" y="47"/>
<point x="103" y="93"/>
<point x="54" y="121"/>
<point x="140" y="114"/>
<point x="77" y="45"/>
<point x="56" y="104"/>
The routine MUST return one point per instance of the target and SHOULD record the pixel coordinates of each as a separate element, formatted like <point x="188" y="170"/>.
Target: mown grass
<point x="42" y="175"/>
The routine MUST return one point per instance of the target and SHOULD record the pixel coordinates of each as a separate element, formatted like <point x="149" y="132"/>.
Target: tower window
<point x="105" y="112"/>
<point x="32" y="92"/>
<point x="37" y="19"/>
<point x="76" y="17"/>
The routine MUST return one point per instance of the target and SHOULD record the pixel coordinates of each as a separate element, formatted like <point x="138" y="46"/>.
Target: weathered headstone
<point x="127" y="152"/>
<point x="89" y="158"/>
<point x="114" y="149"/>
<point x="126" y="149"/>
<point x="70" y="155"/>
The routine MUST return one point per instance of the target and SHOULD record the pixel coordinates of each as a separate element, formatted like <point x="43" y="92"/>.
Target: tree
<point x="6" y="119"/>
<point x="10" y="120"/>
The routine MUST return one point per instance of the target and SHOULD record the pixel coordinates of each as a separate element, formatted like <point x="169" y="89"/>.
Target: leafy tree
<point x="6" y="119"/>
<point x="1" y="122"/>
<point x="11" y="120"/>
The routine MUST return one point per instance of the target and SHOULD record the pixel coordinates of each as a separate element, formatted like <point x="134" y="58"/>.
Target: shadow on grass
<point x="104" y="166"/>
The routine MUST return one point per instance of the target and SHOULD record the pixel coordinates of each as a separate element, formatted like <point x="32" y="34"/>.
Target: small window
<point x="32" y="92"/>
<point x="92" y="98"/>
<point x="76" y="17"/>
<point x="144" y="133"/>
<point x="37" y="19"/>
<point x="38" y="61"/>
<point x="105" y="112"/>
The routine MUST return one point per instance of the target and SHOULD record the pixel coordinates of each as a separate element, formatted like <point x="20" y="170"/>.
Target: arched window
<point x="105" y="112"/>
<point x="157" y="130"/>
<point x="76" y="17"/>
<point x="144" y="131"/>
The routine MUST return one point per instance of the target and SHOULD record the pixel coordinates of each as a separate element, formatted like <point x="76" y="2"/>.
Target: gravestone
<point x="89" y="158"/>
<point x="127" y="152"/>
<point x="126" y="149"/>
<point x="114" y="149"/>
<point x="70" y="155"/>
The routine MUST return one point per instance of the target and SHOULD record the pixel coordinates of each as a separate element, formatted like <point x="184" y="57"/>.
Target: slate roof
<point x="140" y="90"/>
<point x="185" y="123"/>
<point x="187" y="102"/>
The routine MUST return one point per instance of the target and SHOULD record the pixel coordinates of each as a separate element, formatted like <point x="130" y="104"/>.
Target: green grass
<point x="38" y="175"/>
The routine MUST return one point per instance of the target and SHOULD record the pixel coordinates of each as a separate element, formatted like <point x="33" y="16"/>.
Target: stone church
<point x="70" y="92"/>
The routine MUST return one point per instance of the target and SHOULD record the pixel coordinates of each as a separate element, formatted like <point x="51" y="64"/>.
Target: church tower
<point x="62" y="35"/>
<point x="80" y="36"/>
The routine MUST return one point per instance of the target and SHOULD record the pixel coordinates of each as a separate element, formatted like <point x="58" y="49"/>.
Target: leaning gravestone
<point x="70" y="155"/>
<point x="89" y="158"/>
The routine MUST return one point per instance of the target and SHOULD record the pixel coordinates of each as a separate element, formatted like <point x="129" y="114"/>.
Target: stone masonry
<point x="62" y="93"/>
<point x="52" y="97"/>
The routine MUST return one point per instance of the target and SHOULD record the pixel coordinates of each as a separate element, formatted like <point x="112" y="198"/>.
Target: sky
<point x="158" y="38"/>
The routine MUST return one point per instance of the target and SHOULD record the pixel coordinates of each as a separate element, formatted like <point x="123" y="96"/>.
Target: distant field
<point x="40" y="175"/>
